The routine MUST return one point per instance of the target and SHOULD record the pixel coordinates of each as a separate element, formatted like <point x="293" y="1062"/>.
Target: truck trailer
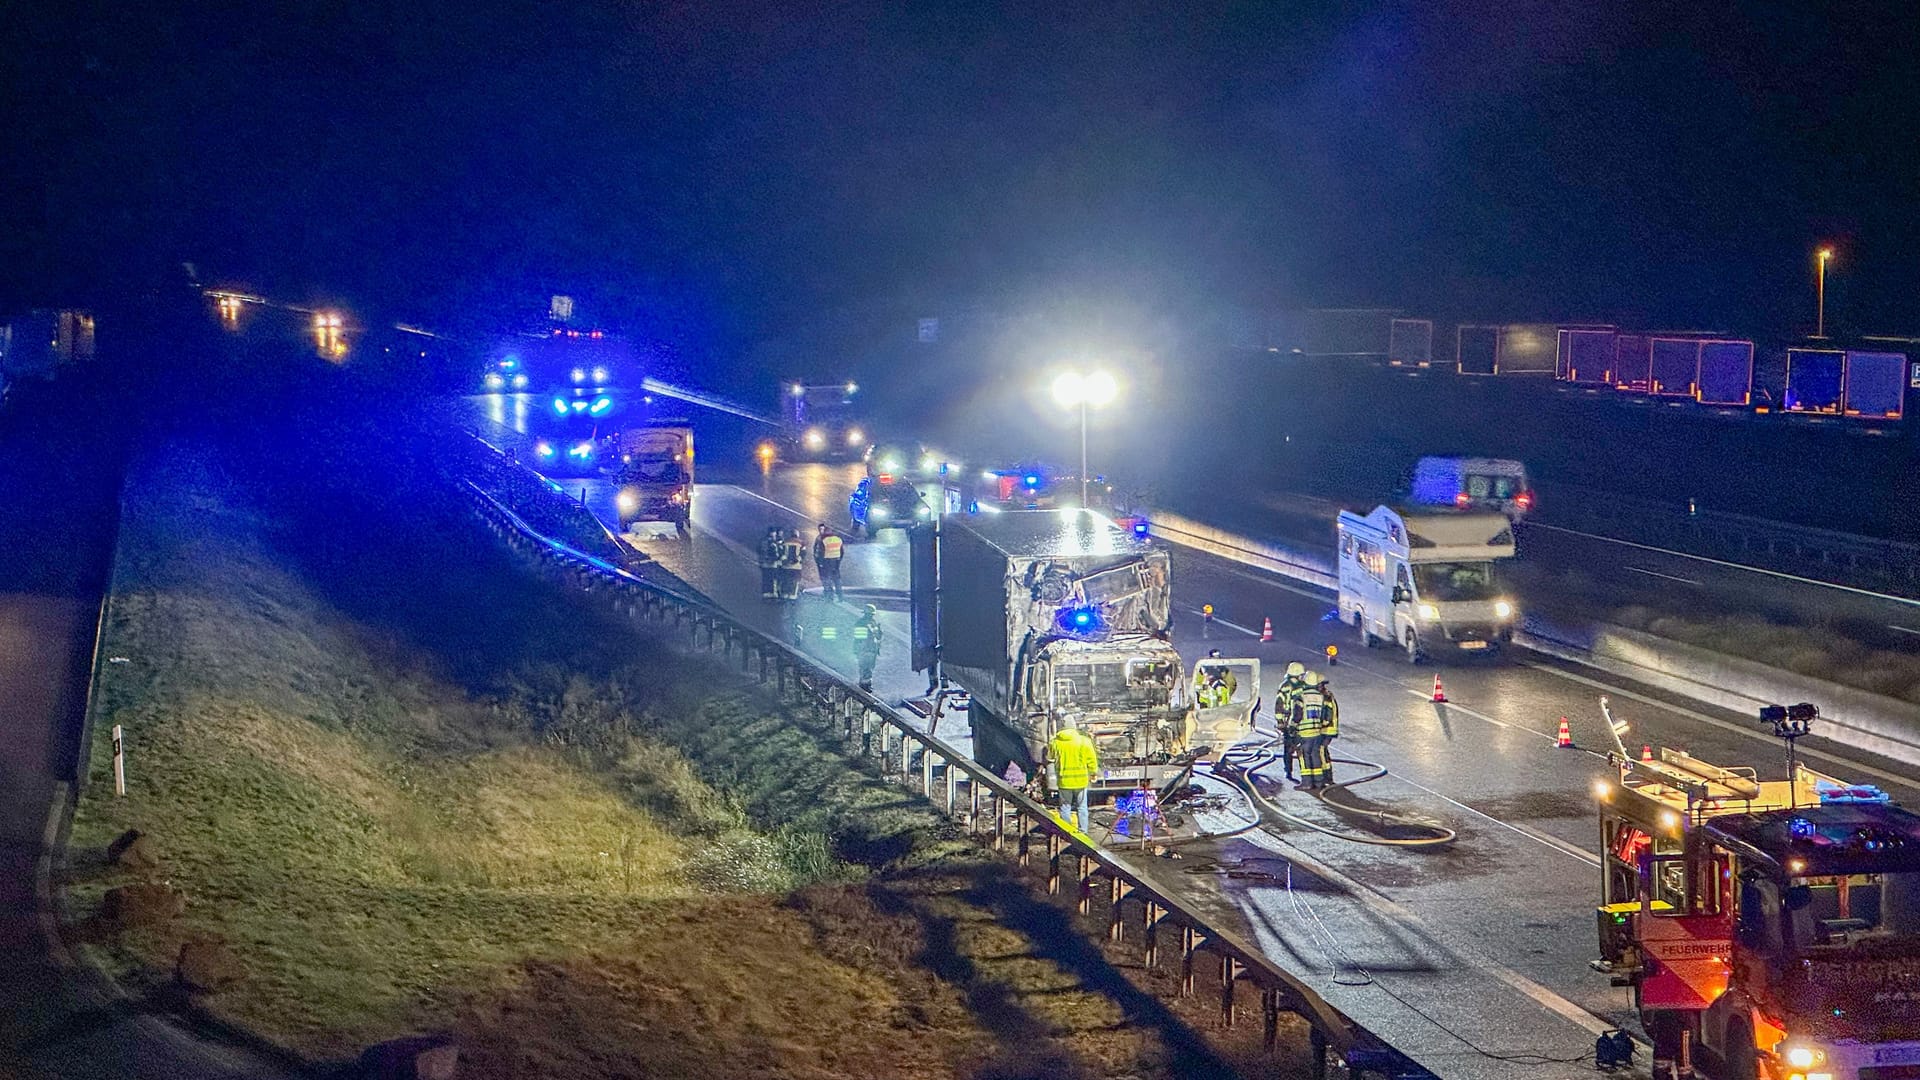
<point x="1047" y="616"/>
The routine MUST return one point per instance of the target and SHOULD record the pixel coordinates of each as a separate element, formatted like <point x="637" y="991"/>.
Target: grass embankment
<point x="414" y="791"/>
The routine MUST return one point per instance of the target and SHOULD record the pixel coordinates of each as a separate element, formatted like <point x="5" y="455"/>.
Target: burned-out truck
<point x="1048" y="615"/>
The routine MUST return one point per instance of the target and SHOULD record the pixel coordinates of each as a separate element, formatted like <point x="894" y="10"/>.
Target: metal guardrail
<point x="1842" y="558"/>
<point x="992" y="811"/>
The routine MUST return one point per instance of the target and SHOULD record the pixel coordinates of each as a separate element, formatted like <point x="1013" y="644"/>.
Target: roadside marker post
<point x="119" y="762"/>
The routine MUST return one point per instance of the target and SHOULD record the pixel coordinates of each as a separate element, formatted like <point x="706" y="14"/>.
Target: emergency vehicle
<point x="1772" y="924"/>
<point x="1425" y="580"/>
<point x="1469" y="483"/>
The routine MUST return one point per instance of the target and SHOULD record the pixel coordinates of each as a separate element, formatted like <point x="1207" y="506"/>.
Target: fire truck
<point x="1772" y="924"/>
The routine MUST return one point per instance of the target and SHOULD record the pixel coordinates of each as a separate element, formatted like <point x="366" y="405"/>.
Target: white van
<point x="1470" y="483"/>
<point x="1426" y="579"/>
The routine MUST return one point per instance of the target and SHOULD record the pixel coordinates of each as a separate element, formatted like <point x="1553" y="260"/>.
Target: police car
<point x="886" y="501"/>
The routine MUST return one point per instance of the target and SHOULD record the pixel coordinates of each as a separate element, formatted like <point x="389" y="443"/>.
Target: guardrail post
<point x="973" y="807"/>
<point x="950" y="782"/>
<point x="1317" y="1052"/>
<point x="1229" y="973"/>
<point x="1053" y="864"/>
<point x="763" y="665"/>
<point x="926" y="773"/>
<point x="1189" y="947"/>
<point x="1083" y="871"/>
<point x="1026" y="838"/>
<point x="1152" y="925"/>
<point x="1270" y="1018"/>
<point x="1116" y="892"/>
<point x="906" y="756"/>
<point x="1000" y="827"/>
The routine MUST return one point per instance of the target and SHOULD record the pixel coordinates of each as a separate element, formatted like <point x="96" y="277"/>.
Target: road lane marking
<point x="1229" y="625"/>
<point x="1903" y="629"/>
<point x="1658" y="574"/>
<point x="1554" y="842"/>
<point x="1730" y="565"/>
<point x="1904" y="782"/>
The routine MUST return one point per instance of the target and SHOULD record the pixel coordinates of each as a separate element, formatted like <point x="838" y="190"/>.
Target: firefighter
<point x="1214" y="684"/>
<point x="1329" y="731"/>
<point x="770" y="552"/>
<point x="792" y="559"/>
<point x="1312" y="709"/>
<point x="828" y="550"/>
<point x="1285" y="700"/>
<point x="1072" y="763"/>
<point x="866" y="644"/>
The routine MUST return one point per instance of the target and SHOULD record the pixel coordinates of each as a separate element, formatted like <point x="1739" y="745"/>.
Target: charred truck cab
<point x="1774" y="925"/>
<point x="1051" y="616"/>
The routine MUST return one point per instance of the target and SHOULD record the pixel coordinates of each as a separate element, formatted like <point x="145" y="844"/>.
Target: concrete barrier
<point x="1850" y="717"/>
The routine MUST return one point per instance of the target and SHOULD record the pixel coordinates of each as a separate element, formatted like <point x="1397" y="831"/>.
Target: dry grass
<point x="585" y="856"/>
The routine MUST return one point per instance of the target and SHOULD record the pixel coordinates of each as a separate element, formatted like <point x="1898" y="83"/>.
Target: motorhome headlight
<point x="627" y="501"/>
<point x="816" y="439"/>
<point x="1428" y="612"/>
<point x="856" y="437"/>
<point x="1805" y="1057"/>
<point x="1502" y="609"/>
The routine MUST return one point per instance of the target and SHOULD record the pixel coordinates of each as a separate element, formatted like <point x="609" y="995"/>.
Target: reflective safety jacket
<point x="866" y="636"/>
<point x="1284" y="700"/>
<point x="828" y="548"/>
<point x="1312" y="710"/>
<point x="1214" y="688"/>
<point x="1076" y="761"/>
<point x="1330" y="727"/>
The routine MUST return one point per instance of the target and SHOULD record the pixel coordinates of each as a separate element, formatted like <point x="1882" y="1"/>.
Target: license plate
<point x="1473" y="644"/>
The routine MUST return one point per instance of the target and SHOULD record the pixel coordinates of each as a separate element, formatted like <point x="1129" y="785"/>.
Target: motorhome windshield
<point x="1133" y="682"/>
<point x="1442" y="582"/>
<point x="658" y="471"/>
<point x="1842" y="911"/>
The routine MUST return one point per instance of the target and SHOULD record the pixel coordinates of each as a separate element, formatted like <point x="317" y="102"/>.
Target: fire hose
<point x="1240" y="764"/>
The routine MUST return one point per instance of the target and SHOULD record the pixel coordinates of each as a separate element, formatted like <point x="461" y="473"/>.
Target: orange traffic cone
<point x="1439" y="692"/>
<point x="1564" y="739"/>
<point x="1266" y="629"/>
<point x="1646" y="751"/>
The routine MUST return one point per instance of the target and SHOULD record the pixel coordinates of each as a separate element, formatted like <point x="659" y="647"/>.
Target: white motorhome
<point x="1426" y="579"/>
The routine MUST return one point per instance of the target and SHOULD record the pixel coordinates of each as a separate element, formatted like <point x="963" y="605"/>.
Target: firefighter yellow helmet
<point x="1312" y="678"/>
<point x="1296" y="669"/>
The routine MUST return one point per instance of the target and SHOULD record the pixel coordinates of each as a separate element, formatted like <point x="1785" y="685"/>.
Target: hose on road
<point x="1240" y="764"/>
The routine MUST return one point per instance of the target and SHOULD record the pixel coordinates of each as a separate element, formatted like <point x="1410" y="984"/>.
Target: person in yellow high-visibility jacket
<point x="1072" y="762"/>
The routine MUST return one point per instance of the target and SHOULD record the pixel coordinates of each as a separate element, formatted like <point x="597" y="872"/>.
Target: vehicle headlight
<point x="495" y="380"/>
<point x="520" y="381"/>
<point x="929" y="463"/>
<point x="816" y="439"/>
<point x="627" y="501"/>
<point x="579" y="374"/>
<point x="599" y="374"/>
<point x="543" y="448"/>
<point x="1428" y="612"/>
<point x="1803" y="1057"/>
<point x="855" y="437"/>
<point x="877" y="511"/>
<point x="1502" y="609"/>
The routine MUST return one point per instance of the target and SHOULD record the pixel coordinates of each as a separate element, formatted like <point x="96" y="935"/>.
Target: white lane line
<point x="1730" y="565"/>
<point x="1529" y="832"/>
<point x="1225" y="623"/>
<point x="1903" y="629"/>
<point x="1712" y="721"/>
<point x="769" y="502"/>
<point x="1658" y="574"/>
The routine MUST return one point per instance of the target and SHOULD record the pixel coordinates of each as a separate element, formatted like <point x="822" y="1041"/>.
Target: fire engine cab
<point x="1775" y="924"/>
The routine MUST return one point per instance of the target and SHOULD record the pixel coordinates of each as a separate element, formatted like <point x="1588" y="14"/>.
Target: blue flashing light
<point x="580" y="406"/>
<point x="560" y="406"/>
<point x="510" y="363"/>
<point x="1140" y="528"/>
<point x="1032" y="480"/>
<point x="1081" y="622"/>
<point x="581" y="450"/>
<point x="601" y="405"/>
<point x="1801" y="829"/>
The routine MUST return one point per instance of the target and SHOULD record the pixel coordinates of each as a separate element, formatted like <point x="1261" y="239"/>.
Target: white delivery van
<point x="1426" y="579"/>
<point x="1470" y="483"/>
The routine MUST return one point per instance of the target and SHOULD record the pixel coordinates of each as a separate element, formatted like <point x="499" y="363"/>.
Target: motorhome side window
<point x="1401" y="577"/>
<point x="1369" y="557"/>
<point x="1346" y="545"/>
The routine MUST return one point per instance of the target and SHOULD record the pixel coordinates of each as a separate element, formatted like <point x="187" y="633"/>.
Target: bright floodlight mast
<point x="1823" y="256"/>
<point x="1083" y="390"/>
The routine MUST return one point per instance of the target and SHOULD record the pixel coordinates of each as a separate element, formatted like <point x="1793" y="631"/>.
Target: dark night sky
<point x="712" y="170"/>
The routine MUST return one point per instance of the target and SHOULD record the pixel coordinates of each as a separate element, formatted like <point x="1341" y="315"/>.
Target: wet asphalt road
<point x="1490" y="937"/>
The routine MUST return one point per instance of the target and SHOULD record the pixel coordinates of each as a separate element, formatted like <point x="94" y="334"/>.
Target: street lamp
<point x="1083" y="390"/>
<point x="1820" y="293"/>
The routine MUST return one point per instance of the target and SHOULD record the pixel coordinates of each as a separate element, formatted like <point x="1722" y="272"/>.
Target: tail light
<point x="885" y="478"/>
<point x="1524" y="500"/>
<point x="1462" y="500"/>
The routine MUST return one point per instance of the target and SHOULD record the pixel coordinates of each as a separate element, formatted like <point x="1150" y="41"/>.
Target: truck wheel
<point x="1416" y="653"/>
<point x="1367" y="637"/>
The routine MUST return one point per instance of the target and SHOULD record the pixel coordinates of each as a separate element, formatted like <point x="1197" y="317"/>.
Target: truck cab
<point x="1426" y="581"/>
<point x="1773" y="924"/>
<point x="654" y="471"/>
